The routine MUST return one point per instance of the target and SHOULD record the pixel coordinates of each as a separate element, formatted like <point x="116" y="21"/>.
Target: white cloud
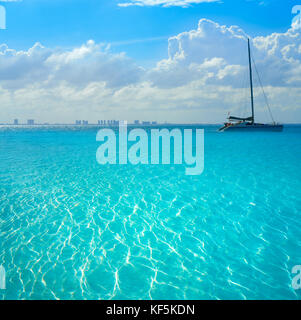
<point x="218" y="54"/>
<point x="201" y="80"/>
<point x="89" y="63"/>
<point x="164" y="3"/>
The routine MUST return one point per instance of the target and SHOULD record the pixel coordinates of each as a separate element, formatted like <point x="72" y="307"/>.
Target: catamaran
<point x="249" y="124"/>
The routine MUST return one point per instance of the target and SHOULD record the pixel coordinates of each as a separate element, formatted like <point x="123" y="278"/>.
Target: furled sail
<point x="240" y="119"/>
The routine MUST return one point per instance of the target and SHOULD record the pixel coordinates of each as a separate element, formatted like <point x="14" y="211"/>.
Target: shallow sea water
<point x="73" y="229"/>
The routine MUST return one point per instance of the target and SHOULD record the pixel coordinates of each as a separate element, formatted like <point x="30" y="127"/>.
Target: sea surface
<point x="73" y="229"/>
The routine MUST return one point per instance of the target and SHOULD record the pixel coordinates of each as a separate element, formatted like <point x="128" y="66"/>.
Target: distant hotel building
<point x="30" y="122"/>
<point x="102" y="122"/>
<point x="82" y="122"/>
<point x="16" y="122"/>
<point x="113" y="122"/>
<point x="136" y="122"/>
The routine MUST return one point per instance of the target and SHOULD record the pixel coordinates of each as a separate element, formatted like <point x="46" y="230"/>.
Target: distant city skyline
<point x="79" y="122"/>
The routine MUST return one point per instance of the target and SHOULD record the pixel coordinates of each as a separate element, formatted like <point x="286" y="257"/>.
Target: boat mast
<point x="251" y="81"/>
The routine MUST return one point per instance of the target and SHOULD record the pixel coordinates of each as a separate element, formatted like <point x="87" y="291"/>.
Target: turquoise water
<point x="72" y="229"/>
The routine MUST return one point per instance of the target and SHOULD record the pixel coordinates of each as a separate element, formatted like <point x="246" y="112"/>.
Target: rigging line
<point x="264" y="94"/>
<point x="243" y="110"/>
<point x="243" y="96"/>
<point x="245" y="90"/>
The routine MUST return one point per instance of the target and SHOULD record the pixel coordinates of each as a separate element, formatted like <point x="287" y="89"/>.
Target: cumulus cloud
<point x="164" y="3"/>
<point x="218" y="54"/>
<point x="89" y="63"/>
<point x="200" y="81"/>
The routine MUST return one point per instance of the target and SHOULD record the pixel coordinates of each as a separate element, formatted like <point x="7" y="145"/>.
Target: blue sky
<point x="164" y="60"/>
<point x="71" y="22"/>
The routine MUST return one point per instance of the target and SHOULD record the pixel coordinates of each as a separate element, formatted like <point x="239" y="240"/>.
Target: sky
<point x="161" y="60"/>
